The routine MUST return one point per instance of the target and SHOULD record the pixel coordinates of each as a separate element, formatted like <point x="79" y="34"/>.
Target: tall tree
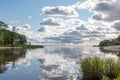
<point x="3" y="25"/>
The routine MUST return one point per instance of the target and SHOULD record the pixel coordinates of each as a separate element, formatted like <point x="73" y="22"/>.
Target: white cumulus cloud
<point x="51" y="21"/>
<point x="116" y="25"/>
<point x="107" y="11"/>
<point x="60" y="11"/>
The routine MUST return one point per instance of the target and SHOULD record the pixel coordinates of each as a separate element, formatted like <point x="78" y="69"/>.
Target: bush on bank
<point x="95" y="68"/>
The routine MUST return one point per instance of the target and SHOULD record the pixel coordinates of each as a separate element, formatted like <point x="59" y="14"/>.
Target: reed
<point x="111" y="68"/>
<point x="96" y="68"/>
<point x="92" y="68"/>
<point x="118" y="78"/>
<point x="105" y="78"/>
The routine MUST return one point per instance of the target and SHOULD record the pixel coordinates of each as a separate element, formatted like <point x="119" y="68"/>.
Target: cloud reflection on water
<point x="52" y="60"/>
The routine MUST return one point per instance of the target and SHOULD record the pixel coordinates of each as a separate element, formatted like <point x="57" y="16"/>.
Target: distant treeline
<point x="111" y="42"/>
<point x="10" y="37"/>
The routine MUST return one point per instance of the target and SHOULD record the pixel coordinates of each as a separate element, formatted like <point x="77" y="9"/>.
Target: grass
<point x="92" y="68"/>
<point x="118" y="78"/>
<point x="111" y="68"/>
<point x="105" y="78"/>
<point x="96" y="69"/>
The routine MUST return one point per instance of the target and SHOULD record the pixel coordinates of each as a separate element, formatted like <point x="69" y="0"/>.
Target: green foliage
<point x="10" y="37"/>
<point x="97" y="69"/>
<point x="3" y="25"/>
<point x="111" y="68"/>
<point x="105" y="78"/>
<point x="92" y="68"/>
<point x="118" y="78"/>
<point x="110" y="42"/>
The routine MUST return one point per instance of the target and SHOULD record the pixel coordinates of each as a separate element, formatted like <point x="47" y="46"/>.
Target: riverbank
<point x="33" y="46"/>
<point x="112" y="48"/>
<point x="21" y="46"/>
<point x="9" y="47"/>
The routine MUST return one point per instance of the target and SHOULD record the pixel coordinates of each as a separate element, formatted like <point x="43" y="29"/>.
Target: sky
<point x="62" y="21"/>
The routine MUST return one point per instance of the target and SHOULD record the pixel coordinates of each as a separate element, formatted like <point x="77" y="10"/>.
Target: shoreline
<point x="10" y="47"/>
<point x="111" y="48"/>
<point x="20" y="47"/>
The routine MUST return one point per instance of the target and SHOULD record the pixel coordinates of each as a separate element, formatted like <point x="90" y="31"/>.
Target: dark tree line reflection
<point x="110" y="51"/>
<point x="11" y="55"/>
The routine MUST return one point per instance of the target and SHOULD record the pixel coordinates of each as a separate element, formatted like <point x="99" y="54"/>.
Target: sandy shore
<point x="9" y="47"/>
<point x="112" y="48"/>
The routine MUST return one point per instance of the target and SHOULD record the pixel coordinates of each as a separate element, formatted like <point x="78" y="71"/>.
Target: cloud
<point x="26" y="26"/>
<point x="68" y="28"/>
<point x="89" y="3"/>
<point x="80" y="5"/>
<point x="103" y="10"/>
<point x="14" y="21"/>
<point x="73" y="36"/>
<point x="60" y="11"/>
<point x="107" y="11"/>
<point x="82" y="27"/>
<point x="74" y="30"/>
<point x="42" y="29"/>
<point x="116" y="25"/>
<point x="50" y="21"/>
<point x="73" y="22"/>
<point x="19" y="28"/>
<point x="29" y="17"/>
<point x="24" y="30"/>
<point x="84" y="32"/>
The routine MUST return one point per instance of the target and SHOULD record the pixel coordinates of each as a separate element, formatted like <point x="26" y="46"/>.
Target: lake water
<point x="47" y="62"/>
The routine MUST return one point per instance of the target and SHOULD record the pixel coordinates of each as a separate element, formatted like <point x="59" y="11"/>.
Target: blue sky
<point x="19" y="10"/>
<point x="69" y="19"/>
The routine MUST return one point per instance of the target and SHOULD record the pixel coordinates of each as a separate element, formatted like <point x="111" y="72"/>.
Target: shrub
<point x="118" y="78"/>
<point x="97" y="69"/>
<point x="105" y="78"/>
<point x="112" y="68"/>
<point x="92" y="68"/>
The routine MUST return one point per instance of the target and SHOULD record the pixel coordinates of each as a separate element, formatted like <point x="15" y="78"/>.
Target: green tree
<point x="3" y="25"/>
<point x="10" y="37"/>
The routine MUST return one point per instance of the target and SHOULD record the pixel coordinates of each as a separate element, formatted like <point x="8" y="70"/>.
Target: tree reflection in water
<point x="110" y="51"/>
<point x="10" y="55"/>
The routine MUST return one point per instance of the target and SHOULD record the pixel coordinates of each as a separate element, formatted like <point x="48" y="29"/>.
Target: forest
<point x="10" y="37"/>
<point x="111" y="42"/>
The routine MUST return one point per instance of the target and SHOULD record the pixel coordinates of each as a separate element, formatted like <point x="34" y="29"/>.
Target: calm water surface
<point x="37" y="64"/>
